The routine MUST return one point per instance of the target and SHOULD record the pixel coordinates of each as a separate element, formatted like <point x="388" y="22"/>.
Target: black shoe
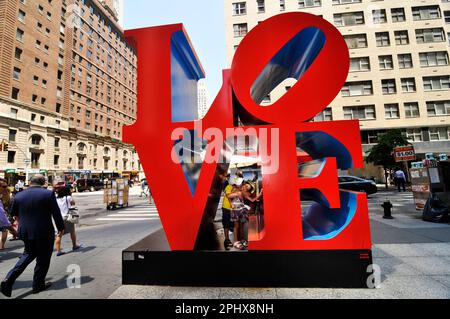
<point x="227" y="244"/>
<point x="41" y="289"/>
<point x="6" y="289"/>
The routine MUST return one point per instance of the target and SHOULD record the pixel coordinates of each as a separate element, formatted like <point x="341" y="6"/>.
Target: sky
<point x="203" y="20"/>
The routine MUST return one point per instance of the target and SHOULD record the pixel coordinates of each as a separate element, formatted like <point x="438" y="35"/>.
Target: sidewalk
<point x="414" y="257"/>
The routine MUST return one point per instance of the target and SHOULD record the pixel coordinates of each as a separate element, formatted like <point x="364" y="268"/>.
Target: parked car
<point x="353" y="183"/>
<point x="88" y="184"/>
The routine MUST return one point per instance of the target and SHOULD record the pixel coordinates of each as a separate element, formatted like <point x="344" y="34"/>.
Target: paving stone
<point x="139" y="292"/>
<point x="405" y="250"/>
<point x="191" y="293"/>
<point x="295" y="293"/>
<point x="248" y="293"/>
<point x="429" y="265"/>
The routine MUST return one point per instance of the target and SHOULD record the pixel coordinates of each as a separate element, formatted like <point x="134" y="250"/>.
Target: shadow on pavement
<point x="8" y="255"/>
<point x="60" y="284"/>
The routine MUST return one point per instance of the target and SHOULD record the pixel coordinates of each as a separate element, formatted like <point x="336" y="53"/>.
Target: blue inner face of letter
<point x="292" y="61"/>
<point x="185" y="73"/>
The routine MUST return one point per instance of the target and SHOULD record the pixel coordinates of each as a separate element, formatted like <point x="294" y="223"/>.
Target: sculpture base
<point x="150" y="262"/>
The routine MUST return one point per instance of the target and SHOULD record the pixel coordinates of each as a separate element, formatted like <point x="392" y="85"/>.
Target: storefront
<point x="31" y="172"/>
<point x="14" y="175"/>
<point x="130" y="175"/>
<point x="72" y="175"/>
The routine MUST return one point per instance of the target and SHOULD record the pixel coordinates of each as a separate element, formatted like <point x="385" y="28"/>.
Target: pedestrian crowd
<point x="40" y="218"/>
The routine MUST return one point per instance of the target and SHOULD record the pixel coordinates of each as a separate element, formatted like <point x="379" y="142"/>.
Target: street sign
<point x="404" y="153"/>
<point x="27" y="162"/>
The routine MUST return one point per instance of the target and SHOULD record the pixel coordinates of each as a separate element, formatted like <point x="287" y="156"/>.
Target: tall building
<point x="400" y="68"/>
<point x="67" y="87"/>
<point x="204" y="99"/>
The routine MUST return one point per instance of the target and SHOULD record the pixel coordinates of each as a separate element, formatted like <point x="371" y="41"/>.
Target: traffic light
<point x="3" y="147"/>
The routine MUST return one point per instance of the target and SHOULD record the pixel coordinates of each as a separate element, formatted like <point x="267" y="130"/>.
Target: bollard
<point x="387" y="205"/>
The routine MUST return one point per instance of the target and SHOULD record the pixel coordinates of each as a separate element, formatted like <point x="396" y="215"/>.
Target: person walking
<point x="65" y="203"/>
<point x="400" y="179"/>
<point x="144" y="187"/>
<point x="5" y="224"/>
<point x="34" y="208"/>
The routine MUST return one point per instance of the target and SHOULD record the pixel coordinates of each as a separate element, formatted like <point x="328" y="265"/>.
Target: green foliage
<point x="382" y="153"/>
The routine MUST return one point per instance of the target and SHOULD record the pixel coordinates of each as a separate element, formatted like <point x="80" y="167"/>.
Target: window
<point x="389" y="86"/>
<point x="369" y="137"/>
<point x="57" y="140"/>
<point x="261" y="6"/>
<point x="412" y="110"/>
<point x="433" y="58"/>
<point x="426" y="13"/>
<point x="356" y="41"/>
<point x="357" y="88"/>
<point x="11" y="157"/>
<point x="337" y="2"/>
<point x="438" y="108"/>
<point x="414" y="135"/>
<point x="359" y="64"/>
<point x="386" y="62"/>
<point x="12" y="135"/>
<point x="366" y="112"/>
<point x="56" y="160"/>
<point x="14" y="112"/>
<point x="435" y="83"/>
<point x="348" y="19"/>
<point x="18" y="53"/>
<point x="309" y="3"/>
<point x="16" y="73"/>
<point x="439" y="133"/>
<point x="408" y="85"/>
<point x="240" y="30"/>
<point x="430" y="35"/>
<point x="19" y="35"/>
<point x="405" y="61"/>
<point x="398" y="15"/>
<point x="379" y="16"/>
<point x="282" y="5"/>
<point x="21" y="16"/>
<point x="326" y="115"/>
<point x="239" y="8"/>
<point x="391" y="111"/>
<point x="382" y="39"/>
<point x="401" y="37"/>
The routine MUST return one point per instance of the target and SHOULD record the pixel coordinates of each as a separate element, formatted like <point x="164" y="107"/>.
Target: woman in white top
<point x="65" y="202"/>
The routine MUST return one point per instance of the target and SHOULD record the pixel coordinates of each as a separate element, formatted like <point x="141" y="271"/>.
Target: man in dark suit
<point x="34" y="209"/>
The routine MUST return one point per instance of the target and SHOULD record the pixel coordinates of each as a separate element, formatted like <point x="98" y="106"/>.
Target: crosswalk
<point x="140" y="212"/>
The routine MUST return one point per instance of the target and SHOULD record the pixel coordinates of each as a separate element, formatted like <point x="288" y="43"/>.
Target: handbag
<point x="72" y="217"/>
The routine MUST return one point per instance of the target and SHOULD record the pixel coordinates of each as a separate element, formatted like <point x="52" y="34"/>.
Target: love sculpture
<point x="330" y="244"/>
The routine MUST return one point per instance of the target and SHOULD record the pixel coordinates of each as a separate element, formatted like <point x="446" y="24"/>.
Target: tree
<point x="382" y="153"/>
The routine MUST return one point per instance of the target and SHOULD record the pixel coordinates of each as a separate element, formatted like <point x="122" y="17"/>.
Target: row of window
<point x="114" y="35"/>
<point x="391" y="111"/>
<point x="413" y="135"/>
<point x="389" y="86"/>
<point x="35" y="161"/>
<point x="427" y="12"/>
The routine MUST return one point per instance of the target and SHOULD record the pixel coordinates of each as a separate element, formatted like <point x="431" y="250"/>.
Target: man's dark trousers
<point x="401" y="184"/>
<point x="39" y="249"/>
